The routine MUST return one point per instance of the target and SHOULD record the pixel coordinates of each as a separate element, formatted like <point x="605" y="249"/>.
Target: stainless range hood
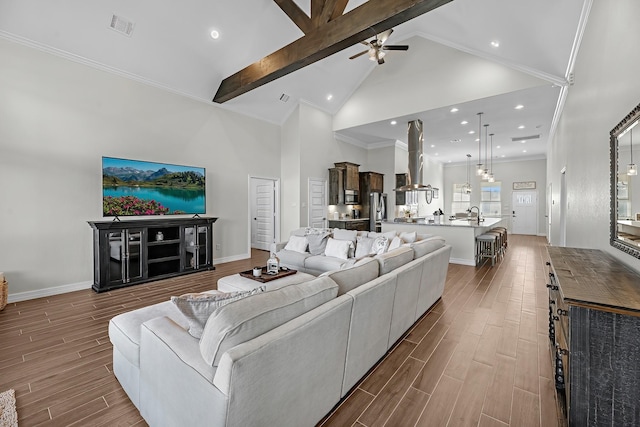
<point x="415" y="140"/>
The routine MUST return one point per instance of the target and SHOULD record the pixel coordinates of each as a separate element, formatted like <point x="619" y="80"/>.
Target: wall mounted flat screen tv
<point x="135" y="187"/>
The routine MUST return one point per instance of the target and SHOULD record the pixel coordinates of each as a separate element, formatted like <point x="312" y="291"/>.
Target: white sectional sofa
<point x="280" y="358"/>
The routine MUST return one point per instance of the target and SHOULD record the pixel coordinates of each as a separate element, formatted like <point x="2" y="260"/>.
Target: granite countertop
<point x="349" y="219"/>
<point x="487" y="222"/>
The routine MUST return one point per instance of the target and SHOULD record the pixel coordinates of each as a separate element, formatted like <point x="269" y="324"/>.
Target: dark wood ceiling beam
<point x="324" y="14"/>
<point x="346" y="30"/>
<point x="338" y="9"/>
<point x="297" y="15"/>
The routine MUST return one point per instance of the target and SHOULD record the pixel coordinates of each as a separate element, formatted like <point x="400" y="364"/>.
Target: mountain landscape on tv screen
<point x="128" y="190"/>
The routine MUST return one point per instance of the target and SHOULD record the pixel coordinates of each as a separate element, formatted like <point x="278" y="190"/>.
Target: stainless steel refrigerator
<point x="377" y="211"/>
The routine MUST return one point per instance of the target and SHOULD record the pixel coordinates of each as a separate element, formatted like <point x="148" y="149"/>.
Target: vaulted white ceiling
<point x="171" y="47"/>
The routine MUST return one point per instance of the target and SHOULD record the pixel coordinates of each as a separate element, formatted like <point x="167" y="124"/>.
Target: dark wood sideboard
<point x="594" y="328"/>
<point x="141" y="250"/>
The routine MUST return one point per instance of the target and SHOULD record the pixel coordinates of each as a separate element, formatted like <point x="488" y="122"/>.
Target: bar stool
<point x="487" y="247"/>
<point x="505" y="236"/>
<point x="502" y="244"/>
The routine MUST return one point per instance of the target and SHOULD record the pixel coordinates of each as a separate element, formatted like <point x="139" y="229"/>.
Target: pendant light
<point x="632" y="169"/>
<point x="479" y="169"/>
<point x="466" y="188"/>
<point x="485" y="172"/>
<point x="491" y="177"/>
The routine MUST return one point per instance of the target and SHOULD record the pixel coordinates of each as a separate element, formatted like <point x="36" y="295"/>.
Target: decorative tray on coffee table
<point x="266" y="277"/>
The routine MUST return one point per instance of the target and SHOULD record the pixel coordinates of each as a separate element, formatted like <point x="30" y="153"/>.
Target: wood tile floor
<point x="479" y="357"/>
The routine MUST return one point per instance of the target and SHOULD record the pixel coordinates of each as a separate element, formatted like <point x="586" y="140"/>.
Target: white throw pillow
<point x="197" y="307"/>
<point x="395" y="243"/>
<point x="409" y="237"/>
<point x="380" y="245"/>
<point x="297" y="244"/>
<point x="338" y="248"/>
<point x="364" y="246"/>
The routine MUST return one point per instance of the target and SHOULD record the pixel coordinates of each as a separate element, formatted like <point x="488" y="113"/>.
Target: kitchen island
<point x="459" y="233"/>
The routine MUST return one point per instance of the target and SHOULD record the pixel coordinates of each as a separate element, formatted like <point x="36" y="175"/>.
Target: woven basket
<point x="4" y="294"/>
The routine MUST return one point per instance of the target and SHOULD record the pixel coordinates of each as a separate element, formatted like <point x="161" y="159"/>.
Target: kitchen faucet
<point x="471" y="208"/>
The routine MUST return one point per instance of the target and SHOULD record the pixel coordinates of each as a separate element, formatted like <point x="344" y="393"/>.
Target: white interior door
<point x="263" y="214"/>
<point x="525" y="212"/>
<point x="317" y="203"/>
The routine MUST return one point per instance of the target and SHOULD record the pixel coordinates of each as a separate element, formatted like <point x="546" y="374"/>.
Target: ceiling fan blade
<point x="383" y="36"/>
<point x="395" y="47"/>
<point x="358" y="54"/>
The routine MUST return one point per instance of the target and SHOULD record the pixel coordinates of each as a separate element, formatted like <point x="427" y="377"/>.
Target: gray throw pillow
<point x="197" y="307"/>
<point x="317" y="243"/>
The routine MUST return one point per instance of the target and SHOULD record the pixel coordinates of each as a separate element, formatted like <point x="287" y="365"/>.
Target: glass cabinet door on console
<point x="196" y="247"/>
<point x="125" y="255"/>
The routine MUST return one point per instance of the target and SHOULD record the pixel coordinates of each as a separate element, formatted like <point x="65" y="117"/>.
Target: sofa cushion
<point x="322" y="263"/>
<point x="426" y="246"/>
<point x="338" y="248"/>
<point x="124" y="329"/>
<point x="292" y="259"/>
<point x="318" y="243"/>
<point x="197" y="307"/>
<point x="388" y="234"/>
<point x="393" y="259"/>
<point x="341" y="234"/>
<point x="350" y="278"/>
<point x="297" y="244"/>
<point x="247" y="318"/>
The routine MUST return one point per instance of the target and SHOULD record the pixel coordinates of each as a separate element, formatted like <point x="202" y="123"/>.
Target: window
<point x="461" y="200"/>
<point x="490" y="204"/>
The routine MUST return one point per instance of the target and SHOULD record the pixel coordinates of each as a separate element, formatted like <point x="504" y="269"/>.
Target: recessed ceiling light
<point x="524" y="151"/>
<point x="471" y="132"/>
<point x="502" y="155"/>
<point x="495" y="43"/>
<point x="214" y="34"/>
<point x="329" y="97"/>
<point x="464" y="122"/>
<point x="477" y="139"/>
<point x="497" y="146"/>
<point x="432" y="146"/>
<point x="393" y="122"/>
<point x="521" y="127"/>
<point x="519" y="107"/>
<point x="454" y="110"/>
<point x="524" y="141"/>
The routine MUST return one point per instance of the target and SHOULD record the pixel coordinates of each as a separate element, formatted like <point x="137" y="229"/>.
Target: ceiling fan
<point x="376" y="47"/>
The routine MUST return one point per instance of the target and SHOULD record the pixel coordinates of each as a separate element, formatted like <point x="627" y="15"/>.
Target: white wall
<point x="506" y="173"/>
<point x="606" y="89"/>
<point x="439" y="76"/>
<point x="59" y="118"/>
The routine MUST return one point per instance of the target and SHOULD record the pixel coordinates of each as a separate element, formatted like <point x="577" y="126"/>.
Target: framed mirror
<point x="625" y="184"/>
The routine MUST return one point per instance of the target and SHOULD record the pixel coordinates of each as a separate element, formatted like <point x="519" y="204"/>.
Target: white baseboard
<point x="63" y="289"/>
<point x="462" y="261"/>
<point x="231" y="258"/>
<point x="47" y="292"/>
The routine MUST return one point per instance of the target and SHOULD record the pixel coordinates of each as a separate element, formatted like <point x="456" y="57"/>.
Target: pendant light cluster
<point x="484" y="171"/>
<point x="466" y="188"/>
<point x="632" y="169"/>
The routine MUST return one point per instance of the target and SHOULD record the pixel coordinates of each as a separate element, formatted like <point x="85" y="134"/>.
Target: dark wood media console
<point x="594" y="328"/>
<point x="136" y="251"/>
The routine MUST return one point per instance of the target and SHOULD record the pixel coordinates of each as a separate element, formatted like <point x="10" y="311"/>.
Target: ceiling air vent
<point x="525" y="138"/>
<point x="121" y="25"/>
<point x="284" y="97"/>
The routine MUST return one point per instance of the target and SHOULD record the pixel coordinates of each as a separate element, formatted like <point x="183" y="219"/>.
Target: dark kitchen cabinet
<point x="351" y="176"/>
<point x="336" y="186"/>
<point x="401" y="180"/>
